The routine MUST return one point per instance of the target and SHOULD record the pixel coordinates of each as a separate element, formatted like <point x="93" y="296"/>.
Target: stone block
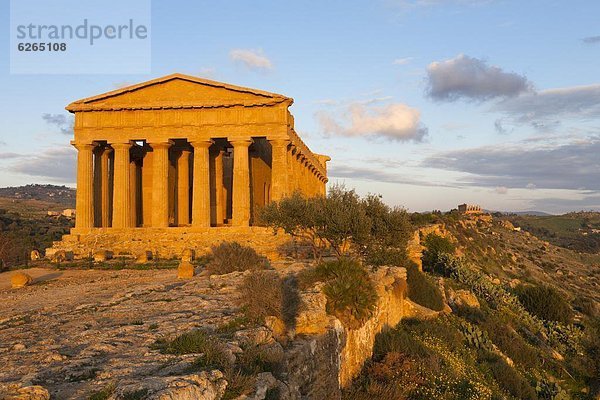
<point x="185" y="270"/>
<point x="143" y="257"/>
<point x="20" y="279"/>
<point x="62" y="256"/>
<point x="35" y="255"/>
<point x="102" y="255"/>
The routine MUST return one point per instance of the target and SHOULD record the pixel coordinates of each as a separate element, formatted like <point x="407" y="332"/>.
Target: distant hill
<point x="60" y="195"/>
<point x="533" y="213"/>
<point x="578" y="231"/>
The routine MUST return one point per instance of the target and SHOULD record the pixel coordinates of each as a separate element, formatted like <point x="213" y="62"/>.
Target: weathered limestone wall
<point x="169" y="242"/>
<point x="358" y="347"/>
<point x="327" y="355"/>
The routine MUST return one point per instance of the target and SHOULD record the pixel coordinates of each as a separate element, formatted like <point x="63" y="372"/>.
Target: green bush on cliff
<point x="231" y="256"/>
<point x="435" y="245"/>
<point x="351" y="295"/>
<point x="545" y="302"/>
<point x="422" y="290"/>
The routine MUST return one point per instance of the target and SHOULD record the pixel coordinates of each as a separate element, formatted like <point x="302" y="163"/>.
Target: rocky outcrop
<point x="326" y="355"/>
<point x="205" y="385"/>
<point x="17" y="391"/>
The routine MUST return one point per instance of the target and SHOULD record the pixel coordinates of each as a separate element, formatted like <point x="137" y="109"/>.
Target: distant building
<point x="469" y="209"/>
<point x="53" y="213"/>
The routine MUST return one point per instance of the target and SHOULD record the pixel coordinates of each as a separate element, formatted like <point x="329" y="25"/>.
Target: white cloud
<point x="402" y="61"/>
<point x="471" y="78"/>
<point x="251" y="59"/>
<point x="501" y="190"/>
<point x="394" y="121"/>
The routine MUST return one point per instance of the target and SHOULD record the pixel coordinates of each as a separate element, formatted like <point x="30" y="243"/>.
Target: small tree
<point x="297" y="216"/>
<point x="10" y="253"/>
<point x="343" y="219"/>
<point x="435" y="245"/>
<point x="334" y="221"/>
<point x="390" y="229"/>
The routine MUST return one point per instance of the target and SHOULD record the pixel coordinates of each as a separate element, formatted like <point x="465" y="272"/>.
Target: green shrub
<point x="435" y="245"/>
<point x="511" y="381"/>
<point x="422" y="290"/>
<point x="135" y="395"/>
<point x="399" y="340"/>
<point x="231" y="256"/>
<point x="257" y="359"/>
<point x="261" y="295"/>
<point x="103" y="394"/>
<point x="195" y="342"/>
<point x="351" y="295"/>
<point x="386" y="256"/>
<point x="238" y="384"/>
<point x="511" y="343"/>
<point x="546" y="303"/>
<point x="351" y="298"/>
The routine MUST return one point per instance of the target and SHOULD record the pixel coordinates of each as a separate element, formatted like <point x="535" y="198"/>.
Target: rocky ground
<point x="75" y="331"/>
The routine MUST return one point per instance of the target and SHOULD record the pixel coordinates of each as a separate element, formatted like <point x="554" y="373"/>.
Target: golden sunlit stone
<point x="20" y="279"/>
<point x="181" y="156"/>
<point x="185" y="270"/>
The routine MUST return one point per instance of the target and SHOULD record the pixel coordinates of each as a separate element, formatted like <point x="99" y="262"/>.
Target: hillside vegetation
<point x="524" y="322"/>
<point x="24" y="221"/>
<point x="578" y="231"/>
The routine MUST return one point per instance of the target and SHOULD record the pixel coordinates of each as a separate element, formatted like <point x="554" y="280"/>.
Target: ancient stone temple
<point x="181" y="155"/>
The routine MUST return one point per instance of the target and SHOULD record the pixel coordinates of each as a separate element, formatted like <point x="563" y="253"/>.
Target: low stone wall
<point x="326" y="355"/>
<point x="168" y="242"/>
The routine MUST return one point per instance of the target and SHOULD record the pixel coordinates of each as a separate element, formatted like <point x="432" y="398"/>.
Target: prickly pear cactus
<point x="475" y="337"/>
<point x="551" y="391"/>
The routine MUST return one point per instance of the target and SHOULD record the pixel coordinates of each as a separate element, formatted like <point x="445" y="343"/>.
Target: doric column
<point x="279" y="168"/>
<point x="84" y="202"/>
<point x="241" y="183"/>
<point x="121" y="186"/>
<point x="218" y="206"/>
<point x="97" y="153"/>
<point x="160" y="184"/>
<point x="106" y="187"/>
<point x="133" y="182"/>
<point x="201" y="184"/>
<point x="183" y="188"/>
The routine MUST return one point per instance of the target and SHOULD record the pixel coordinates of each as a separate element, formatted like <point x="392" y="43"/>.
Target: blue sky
<point x="429" y="102"/>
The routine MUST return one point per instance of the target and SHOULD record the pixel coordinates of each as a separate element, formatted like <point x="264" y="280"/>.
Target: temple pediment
<point x="178" y="91"/>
